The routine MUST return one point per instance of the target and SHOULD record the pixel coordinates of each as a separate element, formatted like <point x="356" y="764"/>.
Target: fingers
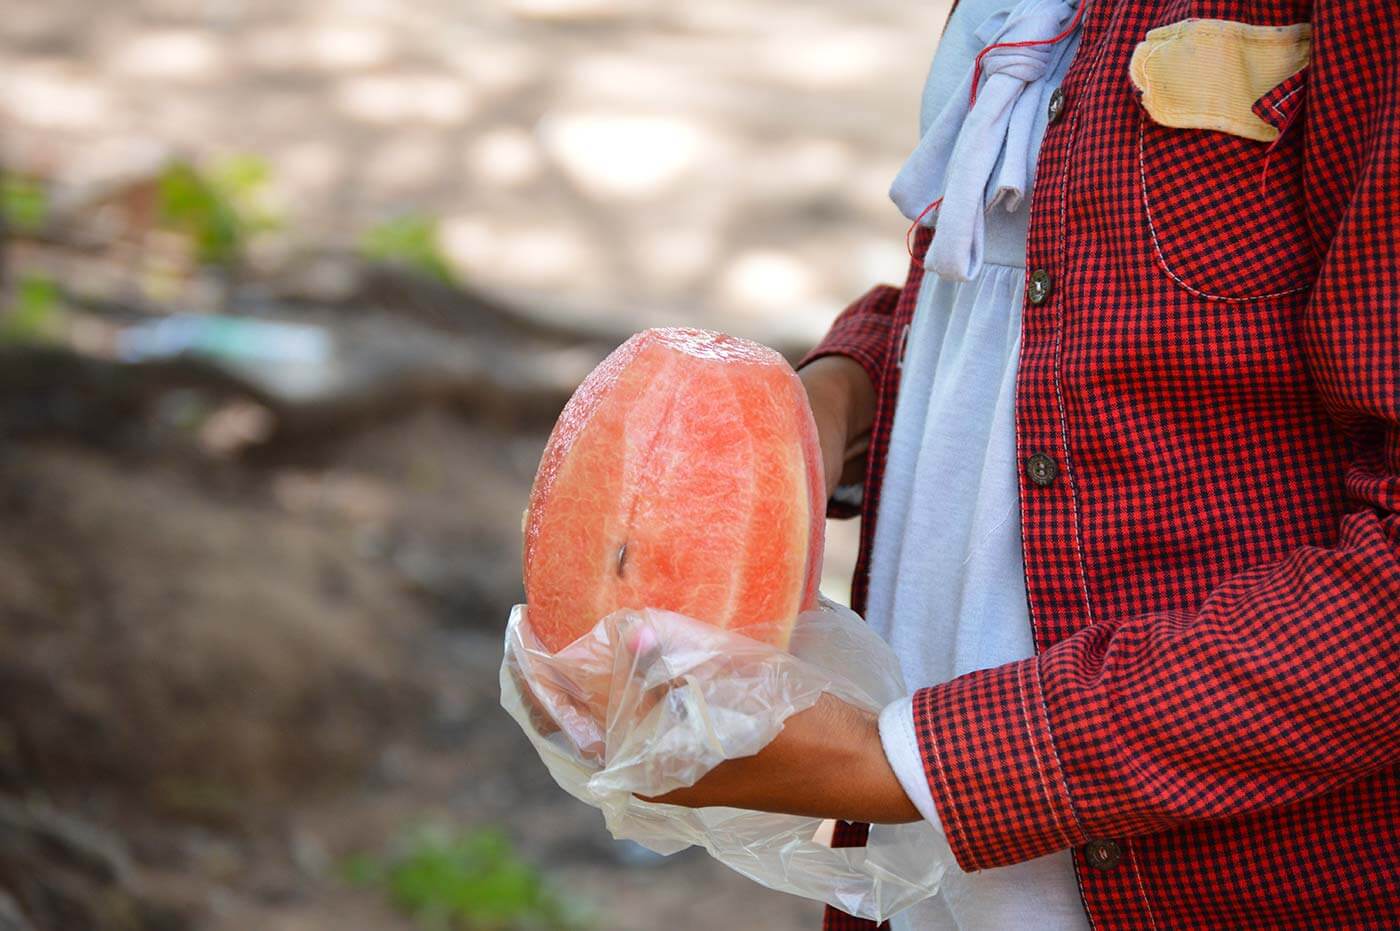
<point x="606" y="685"/>
<point x="828" y="394"/>
<point x="540" y="719"/>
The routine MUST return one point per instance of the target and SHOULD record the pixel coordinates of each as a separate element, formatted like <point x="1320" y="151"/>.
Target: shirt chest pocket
<point x="1221" y="174"/>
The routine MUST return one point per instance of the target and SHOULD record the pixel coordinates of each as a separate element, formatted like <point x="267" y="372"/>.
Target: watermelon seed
<point x="621" y="559"/>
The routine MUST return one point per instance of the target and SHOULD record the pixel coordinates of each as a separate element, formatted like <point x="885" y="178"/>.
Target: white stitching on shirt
<point x="1274" y="104"/>
<point x="1039" y="767"/>
<point x="1020" y="452"/>
<point x="951" y="821"/>
<point x="1054" y="752"/>
<point x="1064" y="212"/>
<point x="1069" y="471"/>
<point x="1059" y="327"/>
<point x="1157" y="246"/>
<point x="1132" y="852"/>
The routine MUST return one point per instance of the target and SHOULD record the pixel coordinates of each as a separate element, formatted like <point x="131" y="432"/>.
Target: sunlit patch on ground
<point x="726" y="160"/>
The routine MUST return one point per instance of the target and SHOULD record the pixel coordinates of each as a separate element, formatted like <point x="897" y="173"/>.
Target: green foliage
<point x="219" y="208"/>
<point x="242" y="179"/>
<point x="411" y="241"/>
<point x="24" y="202"/>
<point x="467" y="882"/>
<point x="31" y="317"/>
<point x="189" y="203"/>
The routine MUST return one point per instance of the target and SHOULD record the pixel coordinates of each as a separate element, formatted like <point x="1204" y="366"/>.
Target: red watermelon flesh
<point x="684" y="475"/>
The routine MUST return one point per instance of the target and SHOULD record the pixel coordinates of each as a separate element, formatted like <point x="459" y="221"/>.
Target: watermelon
<point x="683" y="475"/>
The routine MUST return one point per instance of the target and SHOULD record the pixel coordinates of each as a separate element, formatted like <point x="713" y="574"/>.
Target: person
<point x="1126" y="451"/>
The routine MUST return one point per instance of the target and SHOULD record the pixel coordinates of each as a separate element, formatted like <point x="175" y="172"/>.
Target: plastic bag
<point x="649" y="701"/>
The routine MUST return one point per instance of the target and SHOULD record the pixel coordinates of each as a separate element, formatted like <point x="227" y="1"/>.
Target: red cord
<point x="908" y="241"/>
<point x="977" y="65"/>
<point x="972" y="98"/>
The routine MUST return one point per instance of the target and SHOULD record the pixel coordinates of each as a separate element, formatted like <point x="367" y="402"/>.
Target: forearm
<point x="843" y="406"/>
<point x="826" y="763"/>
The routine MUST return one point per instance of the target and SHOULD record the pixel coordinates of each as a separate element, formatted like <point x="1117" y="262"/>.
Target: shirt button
<point x="1042" y="469"/>
<point x="1103" y="854"/>
<point x="1056" y="106"/>
<point x="1039" y="288"/>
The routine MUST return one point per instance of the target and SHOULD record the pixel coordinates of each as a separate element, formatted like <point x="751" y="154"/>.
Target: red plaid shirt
<point x="1212" y="719"/>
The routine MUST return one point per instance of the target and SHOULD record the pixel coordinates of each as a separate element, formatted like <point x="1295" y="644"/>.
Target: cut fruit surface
<point x="684" y="474"/>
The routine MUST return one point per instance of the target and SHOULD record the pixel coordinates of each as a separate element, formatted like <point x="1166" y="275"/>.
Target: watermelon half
<point x="684" y="474"/>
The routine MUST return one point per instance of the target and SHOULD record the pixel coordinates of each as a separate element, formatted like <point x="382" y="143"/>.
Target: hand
<point x="827" y="762"/>
<point x="843" y="405"/>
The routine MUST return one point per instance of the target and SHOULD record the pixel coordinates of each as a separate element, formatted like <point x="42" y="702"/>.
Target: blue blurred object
<point x="225" y="338"/>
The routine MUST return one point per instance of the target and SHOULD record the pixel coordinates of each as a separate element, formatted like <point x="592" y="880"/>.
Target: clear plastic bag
<point x="650" y="701"/>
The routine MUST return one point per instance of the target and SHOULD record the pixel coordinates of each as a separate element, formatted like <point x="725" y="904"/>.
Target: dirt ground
<point x="289" y="664"/>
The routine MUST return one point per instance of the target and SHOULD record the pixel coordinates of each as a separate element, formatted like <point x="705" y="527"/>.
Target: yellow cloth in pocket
<point x="1207" y="73"/>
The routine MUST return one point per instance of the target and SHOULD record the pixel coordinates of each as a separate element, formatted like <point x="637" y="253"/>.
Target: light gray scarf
<point x="978" y="156"/>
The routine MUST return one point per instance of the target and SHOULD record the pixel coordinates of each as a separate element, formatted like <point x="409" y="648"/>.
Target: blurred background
<point x="290" y="295"/>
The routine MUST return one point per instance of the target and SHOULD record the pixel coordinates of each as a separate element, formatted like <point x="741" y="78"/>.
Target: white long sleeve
<point x="902" y="752"/>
